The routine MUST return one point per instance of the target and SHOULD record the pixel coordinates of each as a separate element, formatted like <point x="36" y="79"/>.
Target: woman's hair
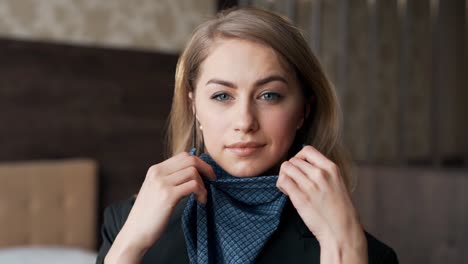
<point x="321" y="128"/>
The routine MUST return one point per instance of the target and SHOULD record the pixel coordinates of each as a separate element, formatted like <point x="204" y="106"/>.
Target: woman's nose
<point x="245" y="117"/>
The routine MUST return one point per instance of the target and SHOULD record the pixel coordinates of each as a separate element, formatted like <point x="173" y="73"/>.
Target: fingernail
<point x="193" y="151"/>
<point x="214" y="174"/>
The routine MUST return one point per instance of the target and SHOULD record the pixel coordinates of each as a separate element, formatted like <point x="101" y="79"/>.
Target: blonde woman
<point x="256" y="172"/>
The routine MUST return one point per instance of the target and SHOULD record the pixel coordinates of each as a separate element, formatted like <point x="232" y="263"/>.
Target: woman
<point x="271" y="184"/>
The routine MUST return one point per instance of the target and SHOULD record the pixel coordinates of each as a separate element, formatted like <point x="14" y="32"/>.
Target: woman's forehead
<point x="233" y="56"/>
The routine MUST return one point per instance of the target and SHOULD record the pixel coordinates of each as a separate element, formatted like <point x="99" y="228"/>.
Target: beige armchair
<point x="48" y="203"/>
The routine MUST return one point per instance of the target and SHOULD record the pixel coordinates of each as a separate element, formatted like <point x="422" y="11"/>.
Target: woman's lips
<point x="245" y="149"/>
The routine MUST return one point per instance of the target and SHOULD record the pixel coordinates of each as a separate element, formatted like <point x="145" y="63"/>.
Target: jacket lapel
<point x="292" y="242"/>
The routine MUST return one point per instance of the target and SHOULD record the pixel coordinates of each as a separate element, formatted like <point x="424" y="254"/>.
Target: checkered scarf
<point x="237" y="220"/>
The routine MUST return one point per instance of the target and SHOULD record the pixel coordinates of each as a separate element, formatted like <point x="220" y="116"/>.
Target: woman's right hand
<point x="165" y="185"/>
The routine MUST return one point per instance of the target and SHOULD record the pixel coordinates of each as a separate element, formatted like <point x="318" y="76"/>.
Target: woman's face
<point x="249" y="106"/>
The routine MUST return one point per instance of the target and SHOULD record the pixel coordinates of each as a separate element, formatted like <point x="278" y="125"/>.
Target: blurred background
<point x="85" y="90"/>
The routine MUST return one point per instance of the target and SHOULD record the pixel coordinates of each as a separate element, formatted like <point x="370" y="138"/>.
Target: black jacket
<point x="291" y="243"/>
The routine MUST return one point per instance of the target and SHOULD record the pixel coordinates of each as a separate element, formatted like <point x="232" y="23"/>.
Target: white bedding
<point x="46" y="255"/>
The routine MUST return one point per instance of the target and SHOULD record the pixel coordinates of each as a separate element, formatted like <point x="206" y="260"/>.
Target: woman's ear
<point x="192" y="101"/>
<point x="306" y="112"/>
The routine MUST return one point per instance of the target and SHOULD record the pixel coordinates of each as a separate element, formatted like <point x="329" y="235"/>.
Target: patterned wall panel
<point x="387" y="85"/>
<point x="451" y="71"/>
<point x="356" y="132"/>
<point x="417" y="118"/>
<point x="145" y="24"/>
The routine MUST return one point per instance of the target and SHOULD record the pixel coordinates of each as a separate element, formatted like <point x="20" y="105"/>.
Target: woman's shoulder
<point x="379" y="252"/>
<point x="119" y="209"/>
<point x="116" y="213"/>
<point x="115" y="216"/>
<point x="120" y="206"/>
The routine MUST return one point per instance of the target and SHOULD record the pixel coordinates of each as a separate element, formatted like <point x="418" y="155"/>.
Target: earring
<point x="202" y="141"/>
<point x="193" y="151"/>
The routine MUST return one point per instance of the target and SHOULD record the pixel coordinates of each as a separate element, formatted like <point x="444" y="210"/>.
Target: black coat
<point x="291" y="243"/>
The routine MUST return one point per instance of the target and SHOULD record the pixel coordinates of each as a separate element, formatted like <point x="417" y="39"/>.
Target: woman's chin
<point x="245" y="169"/>
<point x="244" y="166"/>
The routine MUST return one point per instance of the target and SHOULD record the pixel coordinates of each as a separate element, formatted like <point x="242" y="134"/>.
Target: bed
<point x="48" y="211"/>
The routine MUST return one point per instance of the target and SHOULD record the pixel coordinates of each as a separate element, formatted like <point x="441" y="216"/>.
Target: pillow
<point x="46" y="255"/>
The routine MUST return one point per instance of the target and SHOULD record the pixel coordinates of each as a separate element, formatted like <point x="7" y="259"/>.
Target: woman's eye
<point x="221" y="97"/>
<point x="270" y="96"/>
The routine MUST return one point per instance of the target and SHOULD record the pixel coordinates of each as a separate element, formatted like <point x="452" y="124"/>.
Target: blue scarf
<point x="238" y="219"/>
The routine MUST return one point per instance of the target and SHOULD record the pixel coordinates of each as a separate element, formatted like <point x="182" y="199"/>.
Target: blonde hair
<point x="321" y="128"/>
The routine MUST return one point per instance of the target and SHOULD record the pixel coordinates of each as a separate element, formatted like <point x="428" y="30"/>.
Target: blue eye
<point x="221" y="97"/>
<point x="269" y="96"/>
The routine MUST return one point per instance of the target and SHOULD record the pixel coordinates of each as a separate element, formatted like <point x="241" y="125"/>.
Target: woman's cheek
<point x="214" y="131"/>
<point x="282" y="125"/>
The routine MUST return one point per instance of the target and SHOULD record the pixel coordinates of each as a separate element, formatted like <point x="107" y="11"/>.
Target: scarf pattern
<point x="238" y="219"/>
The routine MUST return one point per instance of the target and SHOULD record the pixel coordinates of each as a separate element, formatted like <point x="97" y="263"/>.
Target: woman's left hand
<point x="319" y="194"/>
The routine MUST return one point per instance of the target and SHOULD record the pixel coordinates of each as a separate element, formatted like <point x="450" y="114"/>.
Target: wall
<point x="420" y="212"/>
<point x="162" y="25"/>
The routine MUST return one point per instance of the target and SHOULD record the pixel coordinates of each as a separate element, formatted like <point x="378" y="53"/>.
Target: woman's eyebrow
<point x="271" y="78"/>
<point x="221" y="82"/>
<point x="257" y="83"/>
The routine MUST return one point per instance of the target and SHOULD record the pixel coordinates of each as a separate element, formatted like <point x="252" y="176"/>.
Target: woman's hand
<point x="164" y="186"/>
<point x="319" y="194"/>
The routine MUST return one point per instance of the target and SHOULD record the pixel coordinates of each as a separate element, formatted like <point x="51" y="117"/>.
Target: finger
<point x="181" y="161"/>
<point x="314" y="157"/>
<point x="190" y="187"/>
<point x="302" y="180"/>
<point x="184" y="175"/>
<point x="203" y="168"/>
<point x="290" y="188"/>
<point x="280" y="183"/>
<point x="317" y="175"/>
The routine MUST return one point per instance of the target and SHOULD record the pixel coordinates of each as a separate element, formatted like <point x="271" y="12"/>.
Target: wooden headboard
<point x="48" y="203"/>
